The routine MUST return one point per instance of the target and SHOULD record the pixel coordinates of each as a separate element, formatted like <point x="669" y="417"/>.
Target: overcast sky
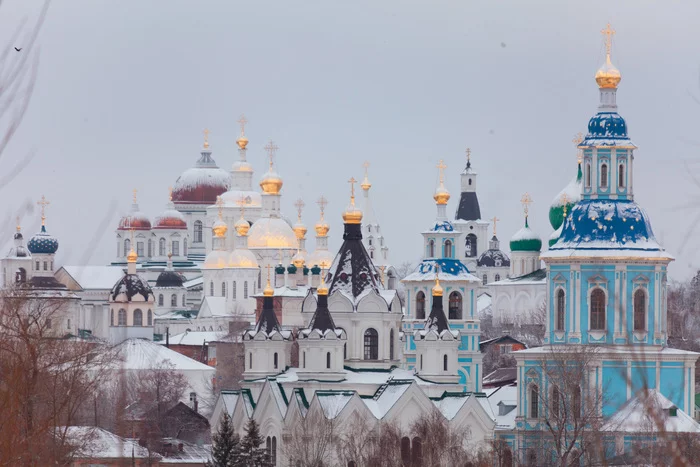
<point x="125" y="89"/>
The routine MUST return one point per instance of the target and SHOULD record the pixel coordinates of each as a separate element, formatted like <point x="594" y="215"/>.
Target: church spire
<point x="468" y="209"/>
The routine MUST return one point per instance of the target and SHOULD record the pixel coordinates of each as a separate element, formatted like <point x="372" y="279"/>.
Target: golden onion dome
<point x="441" y="196"/>
<point x="322" y="228"/>
<point x="220" y="228"/>
<point x="242" y="142"/>
<point x="437" y="288"/>
<point x="608" y="76"/>
<point x="268" y="291"/>
<point x="352" y="215"/>
<point x="216" y="259"/>
<point x="300" y="230"/>
<point x="366" y="185"/>
<point x="272" y="232"/>
<point x="242" y="227"/>
<point x="240" y="258"/>
<point x="298" y="260"/>
<point x="271" y="183"/>
<point x="322" y="289"/>
<point x="132" y="256"/>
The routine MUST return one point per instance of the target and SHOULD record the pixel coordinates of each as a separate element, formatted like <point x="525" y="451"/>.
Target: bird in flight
<point x="18" y="49"/>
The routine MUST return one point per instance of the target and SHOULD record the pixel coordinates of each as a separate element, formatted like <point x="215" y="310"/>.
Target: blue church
<point x="605" y="358"/>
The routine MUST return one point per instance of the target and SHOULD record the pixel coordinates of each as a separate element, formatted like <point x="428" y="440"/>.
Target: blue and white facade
<point x="606" y="295"/>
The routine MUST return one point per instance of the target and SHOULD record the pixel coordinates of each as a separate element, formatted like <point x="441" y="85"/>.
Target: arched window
<point x="497" y="277"/>
<point x="150" y="318"/>
<point x="406" y="451"/>
<point x="455" y="306"/>
<point x="420" y="305"/>
<point x="176" y="247"/>
<point x="484" y="279"/>
<point x="534" y="401"/>
<point x="328" y="360"/>
<point x="431" y="249"/>
<point x="138" y="317"/>
<point x="150" y="247"/>
<point x="250" y="360"/>
<point x="161" y="299"/>
<point x="444" y="362"/>
<point x="211" y="289"/>
<point x="275" y="360"/>
<point x="371" y="254"/>
<point x="448" y="249"/>
<point x="588" y="175"/>
<point x="352" y="464"/>
<point x="556" y="401"/>
<point x="127" y="247"/>
<point x="111" y="318"/>
<point x="604" y="176"/>
<point x="597" y="310"/>
<point x="161" y="247"/>
<point x="391" y="344"/>
<point x="268" y="447"/>
<point x="197" y="231"/>
<point x="417" y="452"/>
<point x="173" y="300"/>
<point x="223" y="289"/>
<point x="470" y="246"/>
<point x="621" y="176"/>
<point x="273" y="454"/>
<point x="245" y="289"/>
<point x="561" y="307"/>
<point x="640" y="310"/>
<point x="21" y="276"/>
<point x="371" y="344"/>
<point x="233" y="290"/>
<point x="259" y="279"/>
<point x="121" y="316"/>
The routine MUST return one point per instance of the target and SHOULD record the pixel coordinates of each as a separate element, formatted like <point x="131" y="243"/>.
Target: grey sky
<point x="125" y="89"/>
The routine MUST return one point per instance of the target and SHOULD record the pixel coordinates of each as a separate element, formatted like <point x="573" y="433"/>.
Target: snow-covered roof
<point x="95" y="277"/>
<point x="142" y="354"/>
<point x="503" y="405"/>
<point x="193" y="282"/>
<point x="213" y="306"/>
<point x="386" y="396"/>
<point x="450" y="270"/>
<point x="359" y="377"/>
<point x="97" y="443"/>
<point x="483" y="302"/>
<point x="572" y="192"/>
<point x="197" y="338"/>
<point x="284" y="291"/>
<point x="184" y="452"/>
<point x="451" y="403"/>
<point x="538" y="277"/>
<point x="333" y="402"/>
<point x="651" y="411"/>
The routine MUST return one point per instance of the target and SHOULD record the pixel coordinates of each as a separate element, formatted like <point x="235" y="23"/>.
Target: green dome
<point x="525" y="240"/>
<point x="556" y="234"/>
<point x="573" y="195"/>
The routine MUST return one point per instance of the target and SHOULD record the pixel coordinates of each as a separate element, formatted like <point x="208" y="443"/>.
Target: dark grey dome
<point x="132" y="285"/>
<point x="170" y="279"/>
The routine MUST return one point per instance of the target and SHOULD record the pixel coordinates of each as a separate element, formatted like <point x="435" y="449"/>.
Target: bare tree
<point x="312" y="442"/>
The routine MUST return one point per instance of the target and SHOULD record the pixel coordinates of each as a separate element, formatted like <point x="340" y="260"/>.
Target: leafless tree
<point x="312" y="444"/>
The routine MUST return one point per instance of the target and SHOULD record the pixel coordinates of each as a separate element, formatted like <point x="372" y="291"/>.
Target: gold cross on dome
<point x="241" y="202"/>
<point x="242" y="121"/>
<point x="578" y="139"/>
<point x="43" y="203"/>
<point x="322" y="203"/>
<point x="206" y="138"/>
<point x="441" y="166"/>
<point x="495" y="221"/>
<point x="299" y="204"/>
<point x="564" y="201"/>
<point x="220" y="205"/>
<point x="608" y="32"/>
<point x="526" y="201"/>
<point x="352" y="182"/>
<point x="271" y="148"/>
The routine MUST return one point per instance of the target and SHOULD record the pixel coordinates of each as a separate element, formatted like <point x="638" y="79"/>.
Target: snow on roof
<point x="525" y="233"/>
<point x="450" y="404"/>
<point x="536" y="277"/>
<point x="386" y="396"/>
<point x="483" y="302"/>
<point x="606" y="253"/>
<point x="285" y="291"/>
<point x="193" y="282"/>
<point x="651" y="412"/>
<point x="95" y="277"/>
<point x="501" y="400"/>
<point x="278" y="396"/>
<point x="333" y="402"/>
<point x="188" y="454"/>
<point x="230" y="399"/>
<point x="450" y="270"/>
<point x="213" y="306"/>
<point x="572" y="192"/>
<point x="359" y="377"/>
<point x="197" y="338"/>
<point x="142" y="354"/>
<point x="97" y="443"/>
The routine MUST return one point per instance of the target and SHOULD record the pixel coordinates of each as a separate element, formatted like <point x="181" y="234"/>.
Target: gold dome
<point x="269" y="291"/>
<point x="242" y="142"/>
<point x="366" y="185"/>
<point x="242" y="227"/>
<point x="300" y="230"/>
<point x="441" y="196"/>
<point x="322" y="228"/>
<point x="437" y="288"/>
<point x="220" y="228"/>
<point x="322" y="289"/>
<point x="607" y="76"/>
<point x="271" y="183"/>
<point x="352" y="215"/>
<point x="298" y="260"/>
<point x="132" y="256"/>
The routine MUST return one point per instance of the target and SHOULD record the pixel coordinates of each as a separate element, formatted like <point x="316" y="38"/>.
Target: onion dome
<point x="169" y="279"/>
<point x="437" y="288"/>
<point x="299" y="230"/>
<point x="441" y="196"/>
<point x="271" y="232"/>
<point x="268" y="291"/>
<point x="570" y="195"/>
<point x="315" y="270"/>
<point x="607" y="76"/>
<point x="322" y="228"/>
<point x="352" y="214"/>
<point x="320" y="258"/>
<point x="135" y="220"/>
<point x="292" y="269"/>
<point x="202" y="183"/>
<point x="242" y="227"/>
<point x="171" y="218"/>
<point x="249" y="199"/>
<point x="42" y="243"/>
<point x="298" y="259"/>
<point x="216" y="259"/>
<point x="244" y="259"/>
<point x="220" y="228"/>
<point x="279" y="269"/>
<point x="555" y="235"/>
<point x="322" y="289"/>
<point x="18" y="250"/>
<point x="437" y="321"/>
<point x="525" y="239"/>
<point x="493" y="257"/>
<point x="129" y="287"/>
<point x="242" y="141"/>
<point x="271" y="183"/>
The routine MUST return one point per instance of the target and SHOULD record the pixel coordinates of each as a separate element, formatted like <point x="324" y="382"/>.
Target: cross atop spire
<point x="299" y="204"/>
<point x="608" y="32"/>
<point x="322" y="203"/>
<point x="495" y="221"/>
<point x="564" y="201"/>
<point x="577" y="140"/>
<point x="134" y="191"/>
<point x="43" y="203"/>
<point x="242" y="121"/>
<point x="170" y="193"/>
<point x="241" y="202"/>
<point x="271" y="149"/>
<point x="526" y="201"/>
<point x="352" y="182"/>
<point x="441" y="167"/>
<point x="206" y="138"/>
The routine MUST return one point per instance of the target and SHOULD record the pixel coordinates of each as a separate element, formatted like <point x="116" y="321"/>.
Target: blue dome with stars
<point x="607" y="225"/>
<point x="43" y="243"/>
<point x="606" y="129"/>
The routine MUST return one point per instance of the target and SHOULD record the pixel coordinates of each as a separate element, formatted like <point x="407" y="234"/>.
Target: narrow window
<point x="604" y="176"/>
<point x="448" y="249"/>
<point x="273" y="455"/>
<point x="233" y="290"/>
<point x="150" y="318"/>
<point x="46" y="266"/>
<point x="268" y="447"/>
<point x="420" y="305"/>
<point x="391" y="344"/>
<point x="421" y="361"/>
<point x="597" y="310"/>
<point x="484" y="279"/>
<point x="139" y="249"/>
<point x="556" y="401"/>
<point x="588" y="175"/>
<point x="534" y="401"/>
<point x="577" y="401"/>
<point x="161" y="247"/>
<point x="173" y="300"/>
<point x="176" y="248"/>
<point x="245" y="289"/>
<point x="406" y="451"/>
<point x="211" y="289"/>
<point x="122" y="317"/>
<point x="431" y="249"/>
<point x="184" y="303"/>
<point x="470" y="246"/>
<point x="274" y="358"/>
<point x="111" y="318"/>
<point x="138" y="317"/>
<point x="639" y="310"/>
<point x="497" y="277"/>
<point x="455" y="306"/>
<point x="160" y="300"/>
<point x="197" y="231"/>
<point x="184" y="247"/>
<point x="621" y="176"/>
<point x="561" y="304"/>
<point x="417" y="452"/>
<point x="371" y="344"/>
<point x="37" y="268"/>
<point x="223" y="289"/>
<point x="304" y="359"/>
<point x="345" y="351"/>
<point x="328" y="360"/>
<point x="250" y="360"/>
<point x="127" y="246"/>
<point x="444" y="362"/>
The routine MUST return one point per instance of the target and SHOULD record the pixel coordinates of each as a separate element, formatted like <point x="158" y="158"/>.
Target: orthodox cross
<point x="242" y="121"/>
<point x="220" y="205"/>
<point x="577" y="140"/>
<point x="608" y="32"/>
<point x="134" y="191"/>
<point x="441" y="166"/>
<point x="268" y="274"/>
<point x="494" y="220"/>
<point x="271" y="148"/>
<point x="564" y="201"/>
<point x="241" y="202"/>
<point x="352" y="182"/>
<point x="366" y="166"/>
<point x="43" y="203"/>
<point x="322" y="203"/>
<point x="526" y="201"/>
<point x="206" y="138"/>
<point x="299" y="204"/>
<point x="469" y="155"/>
